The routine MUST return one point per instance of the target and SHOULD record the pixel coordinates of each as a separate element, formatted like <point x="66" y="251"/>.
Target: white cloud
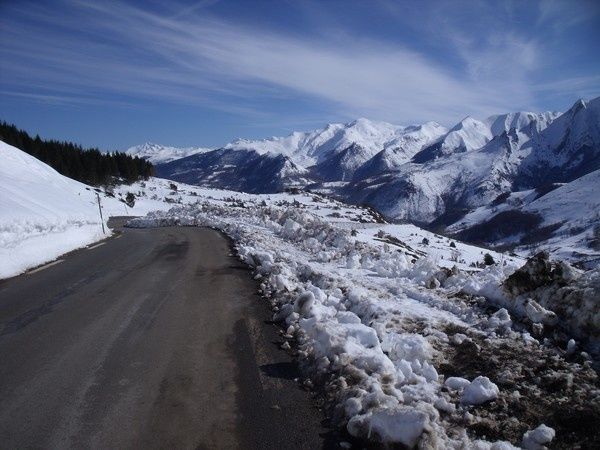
<point x="199" y="59"/>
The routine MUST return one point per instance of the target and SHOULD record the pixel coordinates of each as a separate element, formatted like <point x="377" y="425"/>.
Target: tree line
<point x="88" y="165"/>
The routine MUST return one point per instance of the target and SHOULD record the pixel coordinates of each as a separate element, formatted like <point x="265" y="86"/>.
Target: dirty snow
<point x="409" y="343"/>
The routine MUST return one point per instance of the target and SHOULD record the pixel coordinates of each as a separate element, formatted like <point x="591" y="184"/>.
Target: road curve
<point x="155" y="339"/>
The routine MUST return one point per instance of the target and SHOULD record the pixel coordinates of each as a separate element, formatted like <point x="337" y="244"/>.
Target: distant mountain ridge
<point x="424" y="173"/>
<point x="160" y="154"/>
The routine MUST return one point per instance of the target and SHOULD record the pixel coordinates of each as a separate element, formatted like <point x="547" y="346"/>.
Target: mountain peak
<point x="159" y="154"/>
<point x="578" y="106"/>
<point x="467" y="122"/>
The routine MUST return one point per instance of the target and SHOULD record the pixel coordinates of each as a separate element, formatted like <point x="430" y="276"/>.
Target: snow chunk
<point x="457" y="383"/>
<point x="407" y="346"/>
<point x="479" y="391"/>
<point x="402" y="425"/>
<point x="536" y="439"/>
<point x="304" y="304"/>
<point x="500" y="320"/>
<point x="538" y="314"/>
<point x="498" y="445"/>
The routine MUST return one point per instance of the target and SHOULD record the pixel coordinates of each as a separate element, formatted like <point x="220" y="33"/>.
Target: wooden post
<point x="100" y="209"/>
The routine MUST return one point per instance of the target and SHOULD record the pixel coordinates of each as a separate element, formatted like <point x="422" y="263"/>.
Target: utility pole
<point x="100" y="209"/>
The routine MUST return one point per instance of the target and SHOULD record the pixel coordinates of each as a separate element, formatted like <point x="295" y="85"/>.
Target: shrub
<point x="488" y="260"/>
<point x="130" y="199"/>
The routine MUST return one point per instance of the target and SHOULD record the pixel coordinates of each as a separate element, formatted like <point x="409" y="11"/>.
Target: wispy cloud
<point x="564" y="14"/>
<point x="113" y="50"/>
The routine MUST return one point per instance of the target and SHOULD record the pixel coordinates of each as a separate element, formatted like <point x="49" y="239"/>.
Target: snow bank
<point x="544" y="293"/>
<point x="349" y="306"/>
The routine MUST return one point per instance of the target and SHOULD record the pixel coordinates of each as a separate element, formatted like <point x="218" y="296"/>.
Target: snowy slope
<point x="574" y="206"/>
<point x="567" y="149"/>
<point x="469" y="134"/>
<point x="42" y="213"/>
<point x="565" y="221"/>
<point x="401" y="149"/>
<point x="159" y="154"/>
<point x="239" y="170"/>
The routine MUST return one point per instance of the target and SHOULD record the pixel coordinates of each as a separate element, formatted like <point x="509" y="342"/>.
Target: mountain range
<point x="160" y="154"/>
<point x="492" y="181"/>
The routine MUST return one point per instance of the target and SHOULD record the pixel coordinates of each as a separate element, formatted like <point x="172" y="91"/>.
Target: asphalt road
<point x="154" y="339"/>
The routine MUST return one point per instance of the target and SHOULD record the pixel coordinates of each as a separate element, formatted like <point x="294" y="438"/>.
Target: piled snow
<point x="457" y="383"/>
<point x="351" y="304"/>
<point x="547" y="293"/>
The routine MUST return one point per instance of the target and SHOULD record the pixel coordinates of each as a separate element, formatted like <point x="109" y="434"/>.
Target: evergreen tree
<point x="86" y="165"/>
<point x="488" y="260"/>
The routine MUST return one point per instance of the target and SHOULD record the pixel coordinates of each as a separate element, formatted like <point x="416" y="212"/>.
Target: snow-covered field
<point x="395" y="333"/>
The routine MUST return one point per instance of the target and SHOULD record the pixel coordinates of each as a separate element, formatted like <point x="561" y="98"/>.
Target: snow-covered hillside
<point x="244" y="170"/>
<point x="564" y="221"/>
<point x="44" y="214"/>
<point x="159" y="154"/>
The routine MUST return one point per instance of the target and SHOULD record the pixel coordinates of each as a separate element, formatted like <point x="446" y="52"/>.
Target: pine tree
<point x="90" y="166"/>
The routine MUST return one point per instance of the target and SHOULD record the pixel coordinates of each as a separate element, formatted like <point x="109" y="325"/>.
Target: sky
<point x="113" y="74"/>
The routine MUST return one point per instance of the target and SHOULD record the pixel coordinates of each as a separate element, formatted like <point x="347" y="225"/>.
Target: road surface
<point x="154" y="339"/>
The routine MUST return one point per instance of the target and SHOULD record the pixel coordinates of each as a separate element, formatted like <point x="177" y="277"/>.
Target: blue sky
<point x="114" y="74"/>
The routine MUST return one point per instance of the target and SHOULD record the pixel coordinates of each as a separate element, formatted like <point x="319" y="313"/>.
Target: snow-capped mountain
<point x="311" y="148"/>
<point x="333" y="153"/>
<point x="239" y="170"/>
<point x="401" y="149"/>
<point x="425" y="173"/>
<point x="469" y="166"/>
<point x="160" y="154"/>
